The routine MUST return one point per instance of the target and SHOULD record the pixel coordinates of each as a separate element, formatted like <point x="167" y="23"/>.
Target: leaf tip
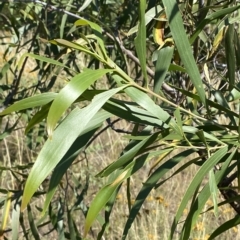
<point x="50" y="133"/>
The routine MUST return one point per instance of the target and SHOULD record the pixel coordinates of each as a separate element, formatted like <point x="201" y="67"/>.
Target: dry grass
<point x="14" y="54"/>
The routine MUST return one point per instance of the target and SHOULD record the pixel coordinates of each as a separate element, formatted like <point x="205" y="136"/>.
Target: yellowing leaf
<point x="158" y="32"/>
<point x="119" y="178"/>
<point x="217" y="40"/>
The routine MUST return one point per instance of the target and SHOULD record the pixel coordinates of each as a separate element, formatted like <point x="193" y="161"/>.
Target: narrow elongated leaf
<point x="174" y="67"/>
<point x="126" y="157"/>
<point x="213" y="160"/>
<point x="209" y="102"/>
<point x="84" y="22"/>
<point x="230" y="55"/>
<point x="201" y="136"/>
<point x="223" y="102"/>
<point x="163" y="62"/>
<point x="225" y="226"/>
<point x="41" y="58"/>
<point x="84" y="5"/>
<point x="127" y="110"/>
<point x="5" y="69"/>
<point x="132" y="113"/>
<point x="71" y="228"/>
<point x="203" y="196"/>
<point x="102" y="198"/>
<point x="5" y="213"/>
<point x="72" y="153"/>
<point x="150" y="184"/>
<point x="32" y="224"/>
<point x="210" y="18"/>
<point x="73" y="45"/>
<point x="217" y="40"/>
<point x="237" y="49"/>
<point x="64" y="18"/>
<point x="38" y="117"/>
<point x="97" y="32"/>
<point x="107" y="212"/>
<point x="31" y="102"/>
<point x="158" y="30"/>
<point x="214" y="191"/>
<point x="146" y="102"/>
<point x="63" y="138"/>
<point x="15" y="219"/>
<point x="189" y="129"/>
<point x="183" y="46"/>
<point x="70" y="93"/>
<point x="140" y="41"/>
<point x="115" y="180"/>
<point x="149" y="16"/>
<point x="179" y="122"/>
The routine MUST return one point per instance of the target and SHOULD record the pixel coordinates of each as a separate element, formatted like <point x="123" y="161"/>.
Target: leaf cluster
<point x="177" y="64"/>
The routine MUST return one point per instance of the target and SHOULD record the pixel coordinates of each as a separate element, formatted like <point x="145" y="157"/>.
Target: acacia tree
<point x="175" y="50"/>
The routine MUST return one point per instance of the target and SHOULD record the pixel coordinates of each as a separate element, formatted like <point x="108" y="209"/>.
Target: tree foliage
<point x="176" y="63"/>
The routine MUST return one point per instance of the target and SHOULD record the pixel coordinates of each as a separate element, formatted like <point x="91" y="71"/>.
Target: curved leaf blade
<point x="16" y="212"/>
<point x="183" y="46"/>
<point x="150" y="184"/>
<point x="210" y="18"/>
<point x="116" y="180"/>
<point x="132" y="113"/>
<point x="98" y="33"/>
<point x="5" y="213"/>
<point x="103" y="197"/>
<point x="230" y="55"/>
<point x="64" y="18"/>
<point x="43" y="59"/>
<point x="146" y="102"/>
<point x="225" y="226"/>
<point x="84" y="5"/>
<point x="70" y="93"/>
<point x="206" y="167"/>
<point x="140" y="40"/>
<point x="149" y="16"/>
<point x="203" y="196"/>
<point x="38" y="117"/>
<point x="31" y="102"/>
<point x="63" y="138"/>
<point x="72" y="153"/>
<point x="126" y="157"/>
<point x="163" y="63"/>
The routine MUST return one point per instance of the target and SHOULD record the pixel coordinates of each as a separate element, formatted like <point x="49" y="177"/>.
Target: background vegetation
<point x="119" y="119"/>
